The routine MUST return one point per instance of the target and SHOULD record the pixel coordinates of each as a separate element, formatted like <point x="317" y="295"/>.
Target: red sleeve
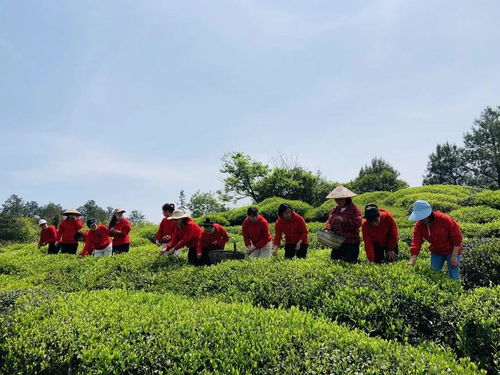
<point x="53" y="234"/>
<point x="416" y="241"/>
<point x="60" y="231"/>
<point x="159" y="232"/>
<point x="225" y="237"/>
<point x="393" y="233"/>
<point x="189" y="233"/>
<point x="78" y="224"/>
<point x="175" y="240"/>
<point x="246" y="235"/>
<point x="264" y="235"/>
<point x="303" y="229"/>
<point x="88" y="248"/>
<point x="41" y="238"/>
<point x="201" y="245"/>
<point x="369" y="248"/>
<point x="455" y="233"/>
<point x="126" y="228"/>
<point x="278" y="233"/>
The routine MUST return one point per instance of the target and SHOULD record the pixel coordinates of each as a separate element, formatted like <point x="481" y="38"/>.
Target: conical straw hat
<point x="340" y="192"/>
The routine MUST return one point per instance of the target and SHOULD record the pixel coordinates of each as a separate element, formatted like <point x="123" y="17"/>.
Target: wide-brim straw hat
<point x="340" y="192"/>
<point x="118" y="210"/>
<point x="72" y="211"/>
<point x="178" y="214"/>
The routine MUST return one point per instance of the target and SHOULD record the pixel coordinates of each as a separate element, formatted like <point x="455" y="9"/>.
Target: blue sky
<point x="128" y="102"/>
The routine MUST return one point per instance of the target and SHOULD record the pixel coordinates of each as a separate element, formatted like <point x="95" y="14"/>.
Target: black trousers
<point x="290" y="251"/>
<point x="381" y="254"/>
<point x="69" y="248"/>
<point x="193" y="259"/>
<point x="347" y="252"/>
<point x="53" y="249"/>
<point x="119" y="249"/>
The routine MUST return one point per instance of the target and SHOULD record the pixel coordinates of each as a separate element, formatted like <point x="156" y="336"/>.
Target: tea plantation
<point x="139" y="313"/>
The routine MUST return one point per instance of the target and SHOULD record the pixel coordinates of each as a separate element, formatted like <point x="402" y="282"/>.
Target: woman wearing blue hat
<point x="442" y="233"/>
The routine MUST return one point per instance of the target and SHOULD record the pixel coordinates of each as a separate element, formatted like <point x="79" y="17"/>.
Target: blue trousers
<point x="437" y="262"/>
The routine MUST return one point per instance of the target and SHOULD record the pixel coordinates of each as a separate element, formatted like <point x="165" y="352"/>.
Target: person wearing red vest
<point x="167" y="227"/>
<point x="256" y="234"/>
<point x="214" y="237"/>
<point x="294" y="227"/>
<point x="67" y="230"/>
<point x="48" y="236"/>
<point x="119" y="229"/>
<point x="380" y="235"/>
<point x="187" y="234"/>
<point x="442" y="233"/>
<point x="97" y="240"/>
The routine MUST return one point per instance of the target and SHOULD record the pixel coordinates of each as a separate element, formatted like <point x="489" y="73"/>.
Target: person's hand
<point x="157" y="243"/>
<point x="391" y="255"/>
<point x="340" y="219"/>
<point x="166" y="238"/>
<point x="297" y="247"/>
<point x="214" y="243"/>
<point x="412" y="261"/>
<point x="250" y="249"/>
<point x="56" y="243"/>
<point x="454" y="261"/>
<point x="171" y="252"/>
<point x="198" y="256"/>
<point x="163" y="251"/>
<point x="275" y="251"/>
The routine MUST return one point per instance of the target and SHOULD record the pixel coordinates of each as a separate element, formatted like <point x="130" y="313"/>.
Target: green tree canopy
<point x="379" y="175"/>
<point x="447" y="166"/>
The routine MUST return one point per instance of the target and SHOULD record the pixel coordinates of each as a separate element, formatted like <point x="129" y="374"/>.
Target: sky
<point x="128" y="102"/>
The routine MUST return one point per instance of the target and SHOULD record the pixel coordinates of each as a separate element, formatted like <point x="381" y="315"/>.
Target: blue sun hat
<point x="421" y="210"/>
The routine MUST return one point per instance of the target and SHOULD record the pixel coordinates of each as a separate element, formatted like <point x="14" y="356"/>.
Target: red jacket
<point x="48" y="236"/>
<point x="67" y="230"/>
<point x="256" y="233"/>
<point x="166" y="228"/>
<point x="188" y="236"/>
<point x="442" y="234"/>
<point x="124" y="227"/>
<point x="349" y="228"/>
<point x="295" y="230"/>
<point x="385" y="235"/>
<point x="220" y="238"/>
<point x="96" y="240"/>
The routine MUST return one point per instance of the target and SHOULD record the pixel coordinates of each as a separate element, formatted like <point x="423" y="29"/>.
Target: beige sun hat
<point x="118" y="210"/>
<point x="178" y="214"/>
<point x="340" y="192"/>
<point x="72" y="211"/>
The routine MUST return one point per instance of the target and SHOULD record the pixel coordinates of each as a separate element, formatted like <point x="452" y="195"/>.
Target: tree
<point x="482" y="149"/>
<point x="242" y="175"/>
<point x="51" y="212"/>
<point x="90" y="210"/>
<point x="181" y="203"/>
<point x="202" y="204"/>
<point x="110" y="211"/>
<point x="447" y="166"/>
<point x="136" y="217"/>
<point x="378" y="176"/>
<point x="14" y="206"/>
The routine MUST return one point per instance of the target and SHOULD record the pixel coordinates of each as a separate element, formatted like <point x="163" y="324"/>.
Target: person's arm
<point x="225" y="237"/>
<point x="40" y="241"/>
<point x="88" y="248"/>
<point x="352" y="221"/>
<point x="78" y="224"/>
<point x="369" y="247"/>
<point x="159" y="233"/>
<point x="199" y="247"/>
<point x="246" y="234"/>
<point x="416" y="245"/>
<point x="456" y="240"/>
<point x="278" y="234"/>
<point x="303" y="232"/>
<point x="59" y="232"/>
<point x="393" y="234"/>
<point x="264" y="235"/>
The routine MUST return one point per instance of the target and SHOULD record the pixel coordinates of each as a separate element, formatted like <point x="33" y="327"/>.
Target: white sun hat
<point x="178" y="214"/>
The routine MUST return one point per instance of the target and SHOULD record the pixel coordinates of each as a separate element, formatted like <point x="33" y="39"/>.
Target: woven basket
<point x="217" y="256"/>
<point x="329" y="239"/>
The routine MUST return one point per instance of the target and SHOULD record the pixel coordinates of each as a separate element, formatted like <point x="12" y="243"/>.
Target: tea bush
<point x="117" y="332"/>
<point x="480" y="263"/>
<point x="485" y="198"/>
<point x="459" y="192"/>
<point x="476" y="214"/>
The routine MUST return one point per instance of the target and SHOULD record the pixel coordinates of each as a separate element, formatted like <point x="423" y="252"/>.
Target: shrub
<point x="269" y="207"/>
<point x="116" y="332"/>
<point x="216" y="218"/>
<point x="377" y="197"/>
<point x="486" y="198"/>
<point x="441" y="202"/>
<point x="480" y="263"/>
<point x="476" y="214"/>
<point x="490" y="230"/>
<point x="478" y="326"/>
<point x="459" y="192"/>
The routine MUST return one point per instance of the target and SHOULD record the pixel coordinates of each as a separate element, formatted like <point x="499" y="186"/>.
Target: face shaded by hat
<point x="208" y="226"/>
<point x="92" y="223"/>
